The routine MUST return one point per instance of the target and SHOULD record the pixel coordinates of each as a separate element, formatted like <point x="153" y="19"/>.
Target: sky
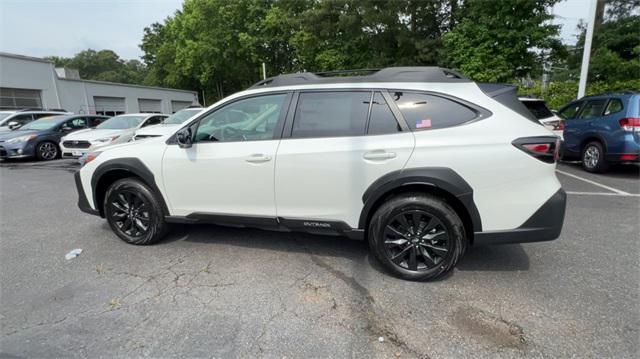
<point x="65" y="27"/>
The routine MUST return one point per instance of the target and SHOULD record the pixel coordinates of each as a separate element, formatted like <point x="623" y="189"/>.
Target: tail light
<point x="557" y="125"/>
<point x="630" y="124"/>
<point x="544" y="148"/>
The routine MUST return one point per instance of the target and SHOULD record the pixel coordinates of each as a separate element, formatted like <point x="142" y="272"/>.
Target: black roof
<point x="389" y="74"/>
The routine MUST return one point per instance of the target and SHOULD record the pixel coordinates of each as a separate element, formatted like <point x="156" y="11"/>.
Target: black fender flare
<point x="442" y="178"/>
<point x="130" y="164"/>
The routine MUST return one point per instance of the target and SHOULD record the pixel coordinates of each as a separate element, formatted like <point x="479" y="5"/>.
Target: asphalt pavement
<point x="209" y="291"/>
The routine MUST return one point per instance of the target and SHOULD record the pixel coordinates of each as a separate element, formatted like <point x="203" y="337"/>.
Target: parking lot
<point x="211" y="291"/>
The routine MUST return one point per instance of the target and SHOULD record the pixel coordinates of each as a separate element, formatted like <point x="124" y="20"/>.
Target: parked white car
<point x="118" y="129"/>
<point x="168" y="126"/>
<point x="420" y="161"/>
<point x="14" y="119"/>
<point x="542" y="113"/>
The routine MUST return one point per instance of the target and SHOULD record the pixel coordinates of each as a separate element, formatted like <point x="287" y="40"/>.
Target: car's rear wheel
<point x="593" y="158"/>
<point x="134" y="213"/>
<point x="417" y="237"/>
<point x="47" y="151"/>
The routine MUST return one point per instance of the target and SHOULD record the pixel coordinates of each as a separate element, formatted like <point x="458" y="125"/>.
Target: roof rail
<point x="41" y="109"/>
<point x="389" y="74"/>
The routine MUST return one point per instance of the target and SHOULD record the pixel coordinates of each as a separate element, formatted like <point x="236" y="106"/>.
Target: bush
<point x="559" y="94"/>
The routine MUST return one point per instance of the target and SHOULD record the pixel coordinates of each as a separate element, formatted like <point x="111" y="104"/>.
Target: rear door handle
<point x="379" y="155"/>
<point x="258" y="158"/>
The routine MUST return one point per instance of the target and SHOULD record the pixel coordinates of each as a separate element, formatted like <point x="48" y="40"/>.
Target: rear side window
<point x="615" y="105"/>
<point x="538" y="109"/>
<point x="424" y="112"/>
<point x="331" y="114"/>
<point x="593" y="108"/>
<point x="382" y="120"/>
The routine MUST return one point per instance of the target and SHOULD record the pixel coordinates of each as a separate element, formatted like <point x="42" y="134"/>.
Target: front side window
<point x="570" y="111"/>
<point x="593" y="109"/>
<point x="153" y="121"/>
<point x="382" y="120"/>
<point x="331" y="114"/>
<point x="614" y="106"/>
<point x="22" y="119"/>
<point x="250" y="119"/>
<point x="424" y="112"/>
<point x="75" y="124"/>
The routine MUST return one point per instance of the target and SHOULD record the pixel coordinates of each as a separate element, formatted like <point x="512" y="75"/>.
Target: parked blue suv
<point x="602" y="129"/>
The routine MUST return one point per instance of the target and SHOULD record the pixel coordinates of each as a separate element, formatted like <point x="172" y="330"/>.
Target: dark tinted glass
<point x="570" y="111"/>
<point x="382" y="119"/>
<point x="538" y="109"/>
<point x="424" y="112"/>
<point x="593" y="108"/>
<point x="330" y="114"/>
<point x="614" y="106"/>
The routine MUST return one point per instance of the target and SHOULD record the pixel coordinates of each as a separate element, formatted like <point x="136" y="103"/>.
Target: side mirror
<point x="13" y="125"/>
<point x="184" y="138"/>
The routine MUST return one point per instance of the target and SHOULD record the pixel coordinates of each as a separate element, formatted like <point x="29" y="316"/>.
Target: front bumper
<point x="544" y="225"/>
<point x="83" y="204"/>
<point x="17" y="150"/>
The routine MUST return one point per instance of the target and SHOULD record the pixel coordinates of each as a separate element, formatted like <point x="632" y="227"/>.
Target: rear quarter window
<point x="428" y="112"/>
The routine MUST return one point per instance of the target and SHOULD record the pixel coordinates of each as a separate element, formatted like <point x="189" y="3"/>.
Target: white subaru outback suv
<point x="420" y="161"/>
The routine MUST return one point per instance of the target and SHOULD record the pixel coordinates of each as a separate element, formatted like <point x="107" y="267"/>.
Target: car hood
<point x="94" y="134"/>
<point x="158" y="130"/>
<point x="18" y="133"/>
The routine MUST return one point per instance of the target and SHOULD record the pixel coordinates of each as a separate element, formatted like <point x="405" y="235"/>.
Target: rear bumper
<point x="83" y="204"/>
<point x="544" y="225"/>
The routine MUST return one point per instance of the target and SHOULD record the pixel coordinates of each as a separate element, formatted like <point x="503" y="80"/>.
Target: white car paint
<point x="164" y="128"/>
<point x="325" y="178"/>
<point x="100" y="138"/>
<point x="549" y="120"/>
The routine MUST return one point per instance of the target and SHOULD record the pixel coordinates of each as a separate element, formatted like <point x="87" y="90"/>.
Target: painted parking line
<point x="619" y="192"/>
<point x="603" y="194"/>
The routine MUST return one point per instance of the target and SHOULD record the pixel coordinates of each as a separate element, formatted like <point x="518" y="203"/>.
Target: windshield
<point x="120" y="123"/>
<point x="44" y="123"/>
<point x="181" y="116"/>
<point x="5" y="115"/>
<point x="538" y="109"/>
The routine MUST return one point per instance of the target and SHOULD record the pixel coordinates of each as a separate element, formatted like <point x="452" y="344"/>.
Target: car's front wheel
<point x="134" y="213"/>
<point x="47" y="151"/>
<point x="417" y="236"/>
<point x="593" y="158"/>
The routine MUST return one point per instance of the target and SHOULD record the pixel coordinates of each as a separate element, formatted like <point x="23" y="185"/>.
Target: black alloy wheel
<point x="134" y="212"/>
<point x="416" y="240"/>
<point x="417" y="236"/>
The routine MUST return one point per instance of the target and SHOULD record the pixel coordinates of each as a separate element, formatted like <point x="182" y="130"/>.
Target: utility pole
<point x="586" y="52"/>
<point x="264" y="71"/>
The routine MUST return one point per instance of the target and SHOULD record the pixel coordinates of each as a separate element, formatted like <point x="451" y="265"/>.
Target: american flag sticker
<point x="426" y="123"/>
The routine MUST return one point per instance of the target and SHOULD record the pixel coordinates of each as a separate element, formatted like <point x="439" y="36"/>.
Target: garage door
<point x="148" y="105"/>
<point x="179" y="105"/>
<point x="19" y="98"/>
<point x="110" y="106"/>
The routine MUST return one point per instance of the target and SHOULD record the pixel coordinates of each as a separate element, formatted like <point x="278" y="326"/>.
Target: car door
<point x="584" y="122"/>
<point x="336" y="144"/>
<point x="229" y="170"/>
<point x="571" y="126"/>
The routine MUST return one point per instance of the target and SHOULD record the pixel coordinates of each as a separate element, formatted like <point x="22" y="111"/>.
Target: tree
<point x="103" y="65"/>
<point x="501" y="41"/>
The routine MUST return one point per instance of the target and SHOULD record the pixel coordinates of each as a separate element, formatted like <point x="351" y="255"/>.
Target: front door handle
<point x="379" y="155"/>
<point x="258" y="158"/>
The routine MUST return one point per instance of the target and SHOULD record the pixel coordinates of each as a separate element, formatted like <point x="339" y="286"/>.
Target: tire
<point x="394" y="245"/>
<point x="593" y="159"/>
<point x="128" y="199"/>
<point x="47" y="151"/>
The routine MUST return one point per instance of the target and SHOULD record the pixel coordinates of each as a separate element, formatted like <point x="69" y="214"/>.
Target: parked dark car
<point x="41" y="138"/>
<point x="602" y="129"/>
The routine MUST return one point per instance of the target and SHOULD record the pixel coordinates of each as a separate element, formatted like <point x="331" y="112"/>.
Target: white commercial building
<point x="30" y="82"/>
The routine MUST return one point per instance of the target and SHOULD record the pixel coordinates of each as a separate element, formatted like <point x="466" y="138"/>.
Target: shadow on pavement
<point x="508" y="257"/>
<point x="616" y="170"/>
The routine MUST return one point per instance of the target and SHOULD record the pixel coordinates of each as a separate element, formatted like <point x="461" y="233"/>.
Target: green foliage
<point x="103" y="65"/>
<point x="495" y="40"/>
<point x="558" y="94"/>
